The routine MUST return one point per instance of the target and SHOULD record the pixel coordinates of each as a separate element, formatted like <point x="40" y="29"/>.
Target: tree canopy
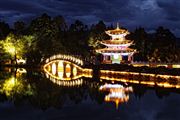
<point x="46" y="35"/>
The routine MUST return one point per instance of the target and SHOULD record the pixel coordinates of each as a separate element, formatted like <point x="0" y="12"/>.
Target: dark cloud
<point x="171" y="8"/>
<point x="130" y="13"/>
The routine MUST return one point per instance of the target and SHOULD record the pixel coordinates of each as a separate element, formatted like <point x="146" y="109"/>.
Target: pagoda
<point x="117" y="48"/>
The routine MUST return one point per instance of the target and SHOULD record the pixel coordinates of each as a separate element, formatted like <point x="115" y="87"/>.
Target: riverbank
<point x="143" y="69"/>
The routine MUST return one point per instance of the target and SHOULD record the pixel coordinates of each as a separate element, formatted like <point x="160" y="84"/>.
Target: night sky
<point x="129" y="13"/>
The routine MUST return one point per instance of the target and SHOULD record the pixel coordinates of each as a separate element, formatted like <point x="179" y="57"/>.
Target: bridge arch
<point x="70" y="58"/>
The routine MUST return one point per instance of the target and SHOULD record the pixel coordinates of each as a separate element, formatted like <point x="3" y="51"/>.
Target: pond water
<point x="33" y="95"/>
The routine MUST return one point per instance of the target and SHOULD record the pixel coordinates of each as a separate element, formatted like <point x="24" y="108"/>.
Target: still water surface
<point x="30" y="95"/>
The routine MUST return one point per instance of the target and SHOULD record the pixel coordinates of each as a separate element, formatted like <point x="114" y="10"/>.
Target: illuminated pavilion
<point x="117" y="48"/>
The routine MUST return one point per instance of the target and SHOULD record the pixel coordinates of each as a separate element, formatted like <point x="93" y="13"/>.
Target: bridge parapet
<point x="69" y="58"/>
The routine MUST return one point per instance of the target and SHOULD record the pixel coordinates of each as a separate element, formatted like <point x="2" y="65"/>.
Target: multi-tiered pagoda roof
<point x="117" y="48"/>
<point x="118" y="43"/>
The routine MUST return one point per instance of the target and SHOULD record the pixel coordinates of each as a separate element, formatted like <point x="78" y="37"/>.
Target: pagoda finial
<point x="117" y="25"/>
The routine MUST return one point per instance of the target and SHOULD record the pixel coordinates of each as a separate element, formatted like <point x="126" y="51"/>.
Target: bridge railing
<point x="70" y="58"/>
<point x="156" y="64"/>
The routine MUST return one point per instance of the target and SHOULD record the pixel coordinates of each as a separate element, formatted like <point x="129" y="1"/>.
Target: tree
<point x="60" y="22"/>
<point x="16" y="46"/>
<point x="164" y="46"/>
<point x="19" y="27"/>
<point x="4" y="30"/>
<point x="47" y="33"/>
<point x="97" y="33"/>
<point x="140" y="38"/>
<point x="77" y="38"/>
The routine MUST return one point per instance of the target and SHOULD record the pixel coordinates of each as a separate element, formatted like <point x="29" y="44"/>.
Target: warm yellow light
<point x="68" y="70"/>
<point x="74" y="71"/>
<point x="47" y="75"/>
<point x="21" y="70"/>
<point x="8" y="86"/>
<point x="60" y="69"/>
<point x="60" y="75"/>
<point x="175" y="66"/>
<point x="54" y="68"/>
<point x="60" y="66"/>
<point x="117" y="93"/>
<point x="49" y="68"/>
<point x="11" y="50"/>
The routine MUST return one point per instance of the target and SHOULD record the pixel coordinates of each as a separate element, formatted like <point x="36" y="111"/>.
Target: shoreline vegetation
<point x="45" y="36"/>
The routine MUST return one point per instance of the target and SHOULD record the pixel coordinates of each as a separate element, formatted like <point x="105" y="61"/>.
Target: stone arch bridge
<point x="65" y="67"/>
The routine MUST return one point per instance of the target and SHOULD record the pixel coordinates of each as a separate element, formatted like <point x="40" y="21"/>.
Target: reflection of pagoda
<point x="118" y="93"/>
<point x="117" y="49"/>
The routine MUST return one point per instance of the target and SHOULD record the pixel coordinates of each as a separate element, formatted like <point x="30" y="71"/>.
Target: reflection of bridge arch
<point x="68" y="83"/>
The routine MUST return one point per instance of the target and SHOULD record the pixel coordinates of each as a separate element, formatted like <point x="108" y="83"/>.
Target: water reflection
<point x="117" y="93"/>
<point x="66" y="74"/>
<point x="42" y="90"/>
<point x="76" y="82"/>
<point x="15" y="85"/>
